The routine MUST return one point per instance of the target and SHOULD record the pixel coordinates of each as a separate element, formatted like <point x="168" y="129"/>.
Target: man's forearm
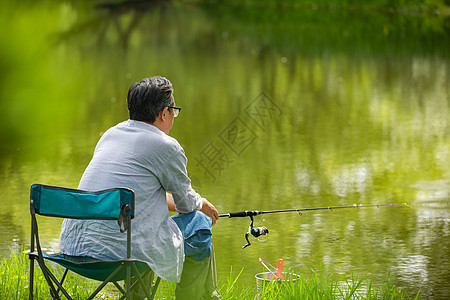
<point x="207" y="208"/>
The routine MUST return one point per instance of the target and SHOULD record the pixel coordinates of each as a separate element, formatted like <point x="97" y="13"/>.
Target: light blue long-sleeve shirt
<point x="141" y="157"/>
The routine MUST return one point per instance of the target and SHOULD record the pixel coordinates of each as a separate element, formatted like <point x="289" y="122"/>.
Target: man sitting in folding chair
<point x="140" y="155"/>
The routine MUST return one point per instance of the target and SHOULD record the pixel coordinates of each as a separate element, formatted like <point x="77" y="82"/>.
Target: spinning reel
<point x="254" y="231"/>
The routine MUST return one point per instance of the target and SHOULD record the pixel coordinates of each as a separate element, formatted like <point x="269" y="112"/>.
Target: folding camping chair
<point x="112" y="204"/>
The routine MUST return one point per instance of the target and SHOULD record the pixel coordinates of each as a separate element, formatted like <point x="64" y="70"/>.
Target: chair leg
<point x="102" y="285"/>
<point x="155" y="288"/>
<point x="48" y="277"/>
<point x="119" y="288"/>
<point x="135" y="281"/>
<point x="150" y="295"/>
<point x="58" y="284"/>
<point x="61" y="281"/>
<point x="31" y="283"/>
<point x="128" y="282"/>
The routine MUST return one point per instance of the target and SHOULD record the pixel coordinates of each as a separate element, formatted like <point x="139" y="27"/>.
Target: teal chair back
<point x="63" y="202"/>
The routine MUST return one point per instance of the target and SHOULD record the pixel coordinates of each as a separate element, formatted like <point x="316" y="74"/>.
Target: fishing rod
<point x="261" y="231"/>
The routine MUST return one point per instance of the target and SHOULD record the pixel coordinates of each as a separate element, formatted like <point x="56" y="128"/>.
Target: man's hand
<point x="209" y="210"/>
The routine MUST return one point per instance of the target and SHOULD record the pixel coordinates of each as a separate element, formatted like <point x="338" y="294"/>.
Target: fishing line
<point x="264" y="237"/>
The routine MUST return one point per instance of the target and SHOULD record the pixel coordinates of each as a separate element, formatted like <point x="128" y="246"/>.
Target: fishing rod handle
<point x="241" y="214"/>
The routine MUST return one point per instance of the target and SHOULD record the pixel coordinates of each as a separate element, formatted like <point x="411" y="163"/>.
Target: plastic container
<point x="268" y="277"/>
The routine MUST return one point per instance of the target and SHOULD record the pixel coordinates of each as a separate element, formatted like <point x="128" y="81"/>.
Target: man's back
<point x="138" y="156"/>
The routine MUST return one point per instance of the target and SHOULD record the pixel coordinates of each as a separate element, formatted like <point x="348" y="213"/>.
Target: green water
<point x="283" y="107"/>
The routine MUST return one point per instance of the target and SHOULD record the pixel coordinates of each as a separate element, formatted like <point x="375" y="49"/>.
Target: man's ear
<point x="163" y="113"/>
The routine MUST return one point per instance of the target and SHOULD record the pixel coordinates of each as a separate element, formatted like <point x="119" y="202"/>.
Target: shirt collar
<point x="144" y="125"/>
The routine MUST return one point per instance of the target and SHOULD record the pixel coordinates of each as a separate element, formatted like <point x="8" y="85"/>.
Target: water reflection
<point x="433" y="194"/>
<point x="12" y="234"/>
<point x="350" y="179"/>
<point x="426" y="256"/>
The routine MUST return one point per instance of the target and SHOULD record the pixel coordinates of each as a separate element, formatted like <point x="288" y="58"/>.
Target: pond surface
<point x="282" y="108"/>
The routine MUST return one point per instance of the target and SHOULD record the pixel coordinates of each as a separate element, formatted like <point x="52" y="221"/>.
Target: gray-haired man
<point x="140" y="155"/>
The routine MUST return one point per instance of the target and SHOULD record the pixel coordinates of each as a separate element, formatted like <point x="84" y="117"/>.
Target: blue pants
<point x="196" y="230"/>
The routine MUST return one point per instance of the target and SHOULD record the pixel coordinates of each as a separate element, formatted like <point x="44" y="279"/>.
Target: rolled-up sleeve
<point x="174" y="179"/>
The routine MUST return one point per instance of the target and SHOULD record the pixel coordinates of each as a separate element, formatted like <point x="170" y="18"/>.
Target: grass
<point x="14" y="277"/>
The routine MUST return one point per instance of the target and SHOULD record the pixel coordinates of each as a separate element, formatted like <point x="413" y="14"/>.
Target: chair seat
<point x="93" y="268"/>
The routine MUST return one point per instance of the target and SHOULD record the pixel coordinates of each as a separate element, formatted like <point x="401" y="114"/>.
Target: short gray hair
<point x="147" y="98"/>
